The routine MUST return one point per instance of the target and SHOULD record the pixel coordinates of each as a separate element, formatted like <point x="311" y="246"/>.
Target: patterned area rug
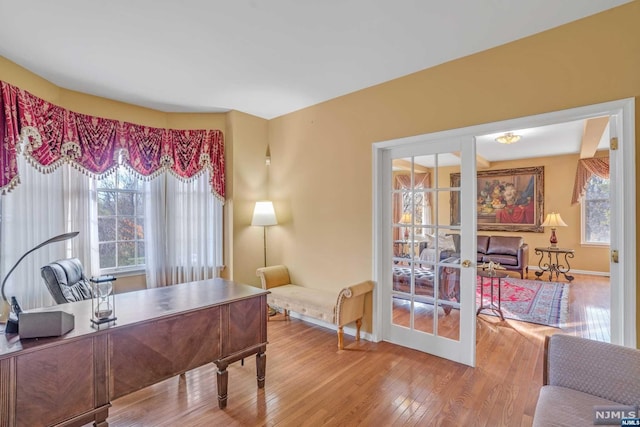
<point x="533" y="301"/>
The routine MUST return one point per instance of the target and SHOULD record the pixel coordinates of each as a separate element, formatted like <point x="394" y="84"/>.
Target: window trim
<point x="127" y="269"/>
<point x="583" y="225"/>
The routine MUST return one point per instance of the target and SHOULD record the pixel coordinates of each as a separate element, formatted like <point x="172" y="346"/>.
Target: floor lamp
<point x="264" y="215"/>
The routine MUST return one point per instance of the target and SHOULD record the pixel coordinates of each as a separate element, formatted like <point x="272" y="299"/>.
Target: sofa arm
<point x="276" y="275"/>
<point x="594" y="367"/>
<point x="523" y="255"/>
<point x="350" y="305"/>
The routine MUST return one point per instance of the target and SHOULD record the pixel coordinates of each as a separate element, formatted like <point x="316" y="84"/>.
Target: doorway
<point x="623" y="234"/>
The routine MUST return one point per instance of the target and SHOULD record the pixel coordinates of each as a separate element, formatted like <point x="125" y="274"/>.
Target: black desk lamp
<point x="12" y="322"/>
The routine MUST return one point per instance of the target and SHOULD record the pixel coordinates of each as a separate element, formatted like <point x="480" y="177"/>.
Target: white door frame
<point x="462" y="348"/>
<point x="623" y="293"/>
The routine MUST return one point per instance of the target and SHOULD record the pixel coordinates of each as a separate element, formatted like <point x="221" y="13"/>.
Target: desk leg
<point x="261" y="367"/>
<point x="223" y="381"/>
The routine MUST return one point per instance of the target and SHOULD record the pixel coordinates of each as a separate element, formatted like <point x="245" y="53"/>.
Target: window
<point x="596" y="218"/>
<point x="121" y="221"/>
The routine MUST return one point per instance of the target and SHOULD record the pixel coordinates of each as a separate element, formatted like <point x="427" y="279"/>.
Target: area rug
<point x="533" y="301"/>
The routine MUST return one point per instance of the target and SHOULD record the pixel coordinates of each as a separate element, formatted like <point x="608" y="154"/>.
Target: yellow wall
<point x="248" y="137"/>
<point x="559" y="174"/>
<point x="324" y="171"/>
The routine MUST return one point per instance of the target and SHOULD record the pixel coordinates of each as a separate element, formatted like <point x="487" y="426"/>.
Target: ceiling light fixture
<point x="508" y="138"/>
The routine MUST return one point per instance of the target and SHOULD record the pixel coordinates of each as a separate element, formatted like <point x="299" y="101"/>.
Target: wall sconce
<point x="267" y="159"/>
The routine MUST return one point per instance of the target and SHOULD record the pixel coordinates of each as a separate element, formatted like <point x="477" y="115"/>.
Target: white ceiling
<point x="552" y="140"/>
<point x="265" y="58"/>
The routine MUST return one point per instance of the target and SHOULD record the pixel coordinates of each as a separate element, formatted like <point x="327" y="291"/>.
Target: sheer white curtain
<point x="42" y="206"/>
<point x="183" y="231"/>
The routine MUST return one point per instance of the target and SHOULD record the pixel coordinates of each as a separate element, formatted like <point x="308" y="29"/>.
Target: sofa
<point x="340" y="307"/>
<point x="510" y="251"/>
<point x="580" y="374"/>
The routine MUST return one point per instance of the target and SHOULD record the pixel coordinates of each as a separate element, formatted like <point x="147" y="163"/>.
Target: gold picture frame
<point x="507" y="199"/>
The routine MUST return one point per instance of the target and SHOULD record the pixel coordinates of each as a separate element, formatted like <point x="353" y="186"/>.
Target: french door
<point x="428" y="249"/>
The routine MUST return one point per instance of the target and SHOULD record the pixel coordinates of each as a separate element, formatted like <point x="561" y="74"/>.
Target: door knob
<point x="466" y="263"/>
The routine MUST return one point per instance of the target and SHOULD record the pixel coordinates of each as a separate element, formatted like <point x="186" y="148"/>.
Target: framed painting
<point x="507" y="199"/>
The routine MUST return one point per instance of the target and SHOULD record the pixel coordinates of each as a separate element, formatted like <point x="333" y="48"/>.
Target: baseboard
<point x="351" y="331"/>
<point x="592" y="273"/>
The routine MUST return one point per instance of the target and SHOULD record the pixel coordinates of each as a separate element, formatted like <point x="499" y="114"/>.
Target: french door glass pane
<point x="426" y="279"/>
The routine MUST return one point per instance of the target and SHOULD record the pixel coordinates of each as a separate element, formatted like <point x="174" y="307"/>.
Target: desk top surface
<point x="139" y="307"/>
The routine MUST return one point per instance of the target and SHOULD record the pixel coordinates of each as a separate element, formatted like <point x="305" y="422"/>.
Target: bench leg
<point x="358" y="325"/>
<point x="340" y="338"/>
<point x="286" y="314"/>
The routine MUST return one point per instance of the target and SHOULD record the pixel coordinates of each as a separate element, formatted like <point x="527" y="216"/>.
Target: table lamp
<point x="553" y="220"/>
<point x="12" y="321"/>
<point x="406" y="219"/>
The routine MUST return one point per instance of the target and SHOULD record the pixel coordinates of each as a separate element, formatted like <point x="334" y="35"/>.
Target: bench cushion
<point x="306" y="301"/>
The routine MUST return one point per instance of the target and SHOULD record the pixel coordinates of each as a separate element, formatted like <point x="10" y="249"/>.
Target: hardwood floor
<point x="310" y="383"/>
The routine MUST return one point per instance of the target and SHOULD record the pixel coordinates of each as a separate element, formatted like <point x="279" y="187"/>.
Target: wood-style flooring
<point x="310" y="383"/>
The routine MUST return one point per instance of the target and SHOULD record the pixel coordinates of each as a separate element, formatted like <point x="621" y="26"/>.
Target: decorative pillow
<point x="430" y="238"/>
<point x="446" y="243"/>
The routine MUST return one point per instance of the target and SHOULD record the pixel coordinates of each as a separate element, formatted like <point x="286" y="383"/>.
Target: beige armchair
<point x="580" y="374"/>
<point x="345" y="308"/>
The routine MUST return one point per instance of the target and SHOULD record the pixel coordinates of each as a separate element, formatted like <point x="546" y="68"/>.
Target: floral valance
<point x="586" y="169"/>
<point x="52" y="135"/>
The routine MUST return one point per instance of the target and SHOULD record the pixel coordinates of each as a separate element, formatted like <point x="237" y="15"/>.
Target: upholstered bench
<point x="339" y="309"/>
<point x="449" y="282"/>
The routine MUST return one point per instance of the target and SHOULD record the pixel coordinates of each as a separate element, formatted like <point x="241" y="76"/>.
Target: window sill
<point x="594" y="245"/>
<point x="121" y="272"/>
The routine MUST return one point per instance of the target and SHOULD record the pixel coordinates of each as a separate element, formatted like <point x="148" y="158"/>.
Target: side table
<point x="491" y="275"/>
<point x="553" y="265"/>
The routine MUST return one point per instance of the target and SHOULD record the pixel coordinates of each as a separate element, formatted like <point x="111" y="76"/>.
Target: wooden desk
<point x="160" y="333"/>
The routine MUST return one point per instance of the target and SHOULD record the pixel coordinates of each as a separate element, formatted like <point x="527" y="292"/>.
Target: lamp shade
<point x="264" y="214"/>
<point x="554" y="219"/>
<point x="406" y="218"/>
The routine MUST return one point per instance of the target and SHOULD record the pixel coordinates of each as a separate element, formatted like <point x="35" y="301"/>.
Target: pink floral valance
<point x="586" y="169"/>
<point x="52" y="135"/>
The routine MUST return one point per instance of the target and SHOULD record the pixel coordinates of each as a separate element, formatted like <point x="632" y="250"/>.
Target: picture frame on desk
<point x="507" y="199"/>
